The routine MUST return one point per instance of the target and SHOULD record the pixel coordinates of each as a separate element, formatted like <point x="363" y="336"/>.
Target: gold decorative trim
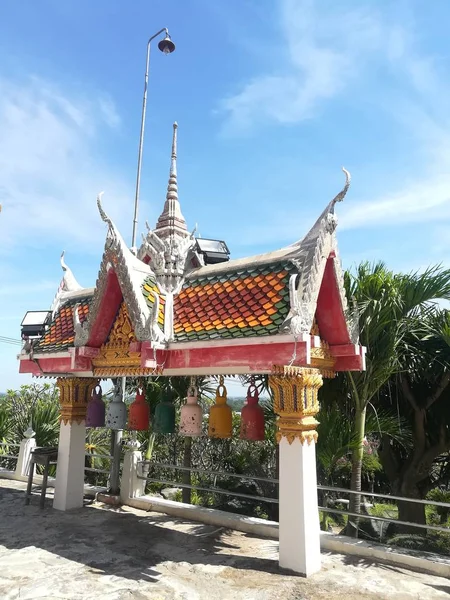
<point x="125" y="372"/>
<point x="115" y="358"/>
<point x="295" y="399"/>
<point x="315" y="328"/>
<point x="322" y="359"/>
<point x="74" y="395"/>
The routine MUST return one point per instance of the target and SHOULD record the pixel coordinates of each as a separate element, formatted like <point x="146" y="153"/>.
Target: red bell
<point x="139" y="415"/>
<point x="252" y="417"/>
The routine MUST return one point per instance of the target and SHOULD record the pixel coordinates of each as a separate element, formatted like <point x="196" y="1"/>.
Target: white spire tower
<point x="171" y="221"/>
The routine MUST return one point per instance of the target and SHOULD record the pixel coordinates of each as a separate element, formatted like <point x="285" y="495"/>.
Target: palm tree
<point x="387" y="302"/>
<point x="422" y="391"/>
<point x="337" y="439"/>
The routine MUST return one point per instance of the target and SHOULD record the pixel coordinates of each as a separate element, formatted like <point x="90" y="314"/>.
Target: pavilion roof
<point x="172" y="297"/>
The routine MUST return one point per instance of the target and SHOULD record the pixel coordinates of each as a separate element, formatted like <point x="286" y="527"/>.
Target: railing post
<point x="131" y="485"/>
<point x="23" y="460"/>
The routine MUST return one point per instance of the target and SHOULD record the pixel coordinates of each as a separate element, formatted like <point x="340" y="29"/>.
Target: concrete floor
<point x="108" y="553"/>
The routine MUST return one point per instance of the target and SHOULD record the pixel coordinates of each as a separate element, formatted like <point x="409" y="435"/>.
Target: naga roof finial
<point x="103" y="215"/>
<point x="339" y="197"/>
<point x="68" y="283"/>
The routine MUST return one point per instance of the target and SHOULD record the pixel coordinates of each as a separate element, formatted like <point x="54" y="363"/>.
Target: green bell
<point x="165" y="415"/>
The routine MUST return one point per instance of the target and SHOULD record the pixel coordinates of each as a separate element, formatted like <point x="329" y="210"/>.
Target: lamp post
<point x="167" y="47"/>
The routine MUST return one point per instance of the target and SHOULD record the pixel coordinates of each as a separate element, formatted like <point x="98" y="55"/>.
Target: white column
<point x="69" y="487"/>
<point x="131" y="486"/>
<point x="299" y="530"/>
<point x="23" y="461"/>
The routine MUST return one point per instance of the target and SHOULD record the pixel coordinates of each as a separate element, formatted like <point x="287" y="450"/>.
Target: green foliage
<point x="34" y="406"/>
<point x="438" y="543"/>
<point x="381" y="509"/>
<point x="443" y="512"/>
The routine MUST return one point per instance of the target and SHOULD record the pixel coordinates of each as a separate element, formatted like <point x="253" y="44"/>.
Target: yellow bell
<point x="220" y="415"/>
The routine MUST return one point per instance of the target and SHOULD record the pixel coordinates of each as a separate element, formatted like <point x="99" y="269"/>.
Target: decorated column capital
<point x="295" y="401"/>
<point x="74" y="395"/>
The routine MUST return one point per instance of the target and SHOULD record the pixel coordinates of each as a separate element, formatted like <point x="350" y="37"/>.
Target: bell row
<point x="116" y="415"/>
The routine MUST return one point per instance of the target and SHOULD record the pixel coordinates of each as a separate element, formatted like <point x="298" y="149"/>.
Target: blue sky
<point x="272" y="98"/>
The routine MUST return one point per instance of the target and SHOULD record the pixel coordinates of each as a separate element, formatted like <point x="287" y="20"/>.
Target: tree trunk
<point x="186" y="477"/>
<point x="325" y="514"/>
<point x="357" y="457"/>
<point x="411" y="512"/>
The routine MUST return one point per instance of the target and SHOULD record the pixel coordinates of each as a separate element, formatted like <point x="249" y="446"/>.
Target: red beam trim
<point x="255" y="358"/>
<point x="78" y="362"/>
<point x="88" y="351"/>
<point x="349" y="363"/>
<point x="345" y="350"/>
<point x="29" y="366"/>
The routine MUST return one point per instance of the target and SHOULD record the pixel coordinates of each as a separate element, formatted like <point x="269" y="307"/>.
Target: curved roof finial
<point x="64" y="267"/>
<point x="69" y="283"/>
<point x="103" y="215"/>
<point x="339" y="197"/>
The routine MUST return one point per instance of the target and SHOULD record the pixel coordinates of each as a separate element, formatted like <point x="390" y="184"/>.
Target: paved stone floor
<point x="109" y="553"/>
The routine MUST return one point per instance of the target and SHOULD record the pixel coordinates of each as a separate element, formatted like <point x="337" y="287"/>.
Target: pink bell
<point x="139" y="415"/>
<point x="252" y="416"/>
<point x="95" y="413"/>
<point x="191" y="417"/>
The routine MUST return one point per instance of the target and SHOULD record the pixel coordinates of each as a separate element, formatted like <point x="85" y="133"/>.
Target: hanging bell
<point x="191" y="416"/>
<point x="139" y="413"/>
<point x="165" y="415"/>
<point x="95" y="413"/>
<point x="220" y="415"/>
<point x="116" y="413"/>
<point x="252" y="416"/>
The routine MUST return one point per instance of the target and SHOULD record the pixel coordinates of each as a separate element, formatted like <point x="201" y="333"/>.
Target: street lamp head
<point x="166" y="45"/>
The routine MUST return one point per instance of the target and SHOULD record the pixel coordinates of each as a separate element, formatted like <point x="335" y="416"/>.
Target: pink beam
<point x="78" y="362"/>
<point x="88" y="352"/>
<point x="345" y="350"/>
<point x="251" y="358"/>
<point x="349" y="363"/>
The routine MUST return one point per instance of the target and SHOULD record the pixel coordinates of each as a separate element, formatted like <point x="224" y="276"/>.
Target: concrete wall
<point x="423" y="561"/>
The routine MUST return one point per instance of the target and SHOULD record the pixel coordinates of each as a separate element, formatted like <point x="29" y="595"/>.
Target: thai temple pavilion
<point x="177" y="305"/>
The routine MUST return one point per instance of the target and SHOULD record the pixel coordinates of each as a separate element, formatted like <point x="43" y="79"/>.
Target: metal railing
<point x="212" y="490"/>
<point x="9" y="445"/>
<point x="101" y="457"/>
<point x="339" y="511"/>
<point x="328" y="509"/>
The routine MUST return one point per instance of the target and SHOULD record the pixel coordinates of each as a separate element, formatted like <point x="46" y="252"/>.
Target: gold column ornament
<point x="74" y="395"/>
<point x="295" y="401"/>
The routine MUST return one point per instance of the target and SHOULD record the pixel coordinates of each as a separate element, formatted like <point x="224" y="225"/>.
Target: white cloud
<point x="426" y="199"/>
<point x="50" y="167"/>
<point x="420" y="108"/>
<point x="324" y="47"/>
<point x="109" y="112"/>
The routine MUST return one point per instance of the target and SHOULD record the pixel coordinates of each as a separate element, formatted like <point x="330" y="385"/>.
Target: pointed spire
<point x="172" y="188"/>
<point x="171" y="220"/>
